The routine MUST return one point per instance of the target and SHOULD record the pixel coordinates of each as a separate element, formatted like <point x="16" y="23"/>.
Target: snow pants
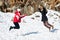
<point x="16" y="25"/>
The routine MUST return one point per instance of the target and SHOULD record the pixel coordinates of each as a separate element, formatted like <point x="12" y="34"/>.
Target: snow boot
<point x="10" y="28"/>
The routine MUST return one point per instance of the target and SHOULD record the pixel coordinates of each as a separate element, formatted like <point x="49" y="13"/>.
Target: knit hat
<point x="18" y="9"/>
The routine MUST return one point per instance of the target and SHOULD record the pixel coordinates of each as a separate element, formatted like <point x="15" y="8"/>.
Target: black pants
<point x="16" y="25"/>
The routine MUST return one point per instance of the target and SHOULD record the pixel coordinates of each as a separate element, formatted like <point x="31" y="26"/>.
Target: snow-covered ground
<point x="31" y="27"/>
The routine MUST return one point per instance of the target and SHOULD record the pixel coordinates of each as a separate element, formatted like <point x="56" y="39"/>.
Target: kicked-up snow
<point x="31" y="27"/>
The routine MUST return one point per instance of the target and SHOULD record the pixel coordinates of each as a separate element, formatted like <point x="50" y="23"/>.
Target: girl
<point x="17" y="19"/>
<point x="43" y="12"/>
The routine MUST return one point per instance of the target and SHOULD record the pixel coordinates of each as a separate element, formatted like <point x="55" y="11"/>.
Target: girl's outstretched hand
<point x="25" y="14"/>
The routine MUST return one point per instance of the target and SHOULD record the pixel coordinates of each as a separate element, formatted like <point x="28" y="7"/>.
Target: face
<point x="40" y="7"/>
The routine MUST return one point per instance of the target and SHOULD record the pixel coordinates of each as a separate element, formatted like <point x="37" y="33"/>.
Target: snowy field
<point x="31" y="27"/>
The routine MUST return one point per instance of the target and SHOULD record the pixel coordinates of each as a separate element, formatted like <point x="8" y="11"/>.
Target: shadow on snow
<point x="54" y="30"/>
<point x="29" y="33"/>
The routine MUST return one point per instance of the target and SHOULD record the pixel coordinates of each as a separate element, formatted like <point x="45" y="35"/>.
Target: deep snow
<point x="30" y="29"/>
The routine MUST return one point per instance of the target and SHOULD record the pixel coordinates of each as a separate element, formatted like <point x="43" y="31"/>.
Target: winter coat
<point x="17" y="17"/>
<point x="44" y="12"/>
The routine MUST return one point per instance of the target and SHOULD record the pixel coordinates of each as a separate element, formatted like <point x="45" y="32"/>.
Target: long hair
<point x="41" y="5"/>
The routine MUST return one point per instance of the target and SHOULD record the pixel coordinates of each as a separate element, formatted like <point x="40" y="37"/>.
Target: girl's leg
<point x="46" y="24"/>
<point x="50" y="25"/>
<point x="16" y="25"/>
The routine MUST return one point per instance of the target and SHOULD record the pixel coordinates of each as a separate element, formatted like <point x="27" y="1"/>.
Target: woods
<point x="28" y="6"/>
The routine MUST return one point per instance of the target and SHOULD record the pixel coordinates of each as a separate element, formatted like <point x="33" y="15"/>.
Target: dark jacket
<point x="44" y="12"/>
